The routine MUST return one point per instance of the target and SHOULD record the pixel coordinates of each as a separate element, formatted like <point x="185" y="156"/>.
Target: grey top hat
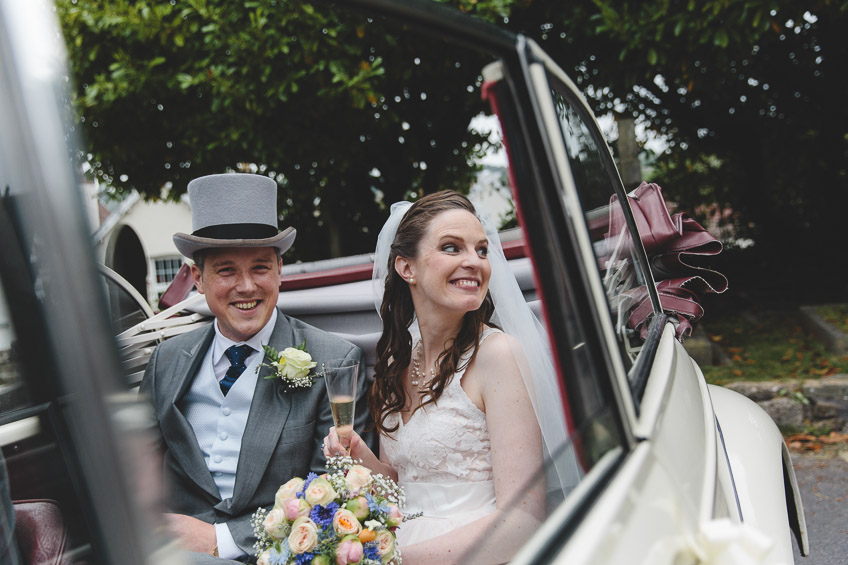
<point x="233" y="210"/>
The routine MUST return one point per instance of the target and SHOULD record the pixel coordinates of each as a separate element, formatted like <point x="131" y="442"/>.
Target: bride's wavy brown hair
<point x="394" y="349"/>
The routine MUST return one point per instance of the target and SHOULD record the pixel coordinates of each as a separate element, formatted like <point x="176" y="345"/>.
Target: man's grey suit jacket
<point x="282" y="438"/>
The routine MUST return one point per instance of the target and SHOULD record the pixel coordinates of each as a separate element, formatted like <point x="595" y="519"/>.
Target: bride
<point x="456" y="400"/>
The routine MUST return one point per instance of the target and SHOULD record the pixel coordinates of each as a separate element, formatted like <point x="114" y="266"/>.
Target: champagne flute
<point x="340" y="376"/>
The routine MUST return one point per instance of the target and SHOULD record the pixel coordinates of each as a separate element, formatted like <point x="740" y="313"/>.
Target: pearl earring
<point x="411" y="280"/>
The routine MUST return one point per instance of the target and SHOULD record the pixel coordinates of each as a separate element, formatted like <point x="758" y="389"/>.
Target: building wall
<point x="154" y="224"/>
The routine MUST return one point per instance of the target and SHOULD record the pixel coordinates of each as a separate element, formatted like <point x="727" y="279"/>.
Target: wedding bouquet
<point x="345" y="516"/>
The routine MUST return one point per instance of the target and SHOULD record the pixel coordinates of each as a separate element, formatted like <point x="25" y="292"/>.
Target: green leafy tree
<point x="333" y="107"/>
<point x="748" y="94"/>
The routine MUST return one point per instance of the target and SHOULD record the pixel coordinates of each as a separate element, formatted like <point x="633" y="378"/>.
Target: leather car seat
<point x="40" y="531"/>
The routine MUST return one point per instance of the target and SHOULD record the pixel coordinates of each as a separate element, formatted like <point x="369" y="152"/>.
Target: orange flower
<point x="344" y="522"/>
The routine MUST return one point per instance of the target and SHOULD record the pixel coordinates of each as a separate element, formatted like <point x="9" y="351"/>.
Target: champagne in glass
<point x="342" y="407"/>
<point x="340" y="376"/>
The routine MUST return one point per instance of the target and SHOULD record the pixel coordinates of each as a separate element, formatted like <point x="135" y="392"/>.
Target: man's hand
<point x="192" y="534"/>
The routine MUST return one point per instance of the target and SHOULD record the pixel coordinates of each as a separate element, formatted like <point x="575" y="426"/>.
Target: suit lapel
<point x="176" y="430"/>
<point x="269" y="411"/>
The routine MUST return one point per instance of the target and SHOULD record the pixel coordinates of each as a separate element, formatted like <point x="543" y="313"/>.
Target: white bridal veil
<point x="516" y="319"/>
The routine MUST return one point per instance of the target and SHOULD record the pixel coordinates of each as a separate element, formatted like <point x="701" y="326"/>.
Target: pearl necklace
<point x="416" y="369"/>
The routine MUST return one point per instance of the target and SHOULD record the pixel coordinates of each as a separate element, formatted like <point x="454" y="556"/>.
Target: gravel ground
<point x="823" y="480"/>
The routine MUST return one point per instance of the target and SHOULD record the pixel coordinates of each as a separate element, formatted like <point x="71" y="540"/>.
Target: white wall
<point x="155" y="223"/>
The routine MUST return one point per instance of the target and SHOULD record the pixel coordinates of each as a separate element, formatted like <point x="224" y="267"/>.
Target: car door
<point x="72" y="439"/>
<point x="640" y="410"/>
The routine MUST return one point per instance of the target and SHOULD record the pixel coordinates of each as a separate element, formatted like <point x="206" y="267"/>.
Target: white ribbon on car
<point x="717" y="542"/>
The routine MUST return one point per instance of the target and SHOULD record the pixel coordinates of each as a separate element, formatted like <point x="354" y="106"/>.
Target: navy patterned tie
<point x="236" y="354"/>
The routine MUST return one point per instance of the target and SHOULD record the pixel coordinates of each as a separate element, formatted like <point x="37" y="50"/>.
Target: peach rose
<point x="275" y="524"/>
<point x="264" y="558"/>
<point x="288" y="490"/>
<point x="344" y="522"/>
<point x="319" y="491"/>
<point x="385" y="545"/>
<point x="357" y="478"/>
<point x="303" y="536"/>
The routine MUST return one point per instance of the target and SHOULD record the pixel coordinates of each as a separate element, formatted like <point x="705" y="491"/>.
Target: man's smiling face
<point x="241" y="287"/>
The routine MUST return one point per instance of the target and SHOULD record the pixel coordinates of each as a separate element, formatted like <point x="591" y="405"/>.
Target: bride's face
<point x="451" y="270"/>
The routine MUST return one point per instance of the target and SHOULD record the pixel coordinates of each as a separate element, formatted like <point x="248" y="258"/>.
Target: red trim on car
<point x="179" y="288"/>
<point x="329" y="277"/>
<point x="514" y="249"/>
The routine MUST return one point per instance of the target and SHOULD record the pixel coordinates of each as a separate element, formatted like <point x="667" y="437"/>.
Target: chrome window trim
<point x="18" y="430"/>
<point x="537" y="68"/>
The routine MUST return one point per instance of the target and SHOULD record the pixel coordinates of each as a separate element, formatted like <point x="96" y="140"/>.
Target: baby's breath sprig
<point x="388" y="489"/>
<point x="341" y="462"/>
<point x="337" y="466"/>
<point x="263" y="540"/>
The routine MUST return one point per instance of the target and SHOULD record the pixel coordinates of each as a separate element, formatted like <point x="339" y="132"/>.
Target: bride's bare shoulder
<point x="499" y="341"/>
<point x="498" y="353"/>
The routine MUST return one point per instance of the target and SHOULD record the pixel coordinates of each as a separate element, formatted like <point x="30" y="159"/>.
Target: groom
<point x="229" y="436"/>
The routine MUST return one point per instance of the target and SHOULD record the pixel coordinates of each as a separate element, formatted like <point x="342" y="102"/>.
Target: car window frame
<point x="539" y="70"/>
<point x="552" y="180"/>
<point x="536" y="192"/>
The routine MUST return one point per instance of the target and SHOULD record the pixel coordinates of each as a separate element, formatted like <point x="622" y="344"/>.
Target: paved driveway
<point x="823" y="479"/>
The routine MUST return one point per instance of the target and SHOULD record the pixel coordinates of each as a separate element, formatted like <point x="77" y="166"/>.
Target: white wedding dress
<point x="443" y="461"/>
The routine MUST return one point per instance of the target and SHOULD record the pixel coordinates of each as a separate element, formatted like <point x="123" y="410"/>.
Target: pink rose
<point x="344" y="522"/>
<point x="294" y="508"/>
<point x="288" y="490"/>
<point x="359" y="507"/>
<point x="385" y="545"/>
<point x="264" y="558"/>
<point x="319" y="491"/>
<point x="275" y="524"/>
<point x="303" y="536"/>
<point x="395" y="516"/>
<point x="357" y="477"/>
<point x="349" y="551"/>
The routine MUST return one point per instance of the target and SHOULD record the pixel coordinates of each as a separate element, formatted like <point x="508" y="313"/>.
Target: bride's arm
<point x="516" y="448"/>
<point x="358" y="450"/>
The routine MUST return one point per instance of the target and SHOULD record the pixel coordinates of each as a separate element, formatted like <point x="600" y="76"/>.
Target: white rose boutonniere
<point x="291" y="366"/>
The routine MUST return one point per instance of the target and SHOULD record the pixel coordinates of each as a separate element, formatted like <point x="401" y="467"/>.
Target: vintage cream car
<point x="669" y="470"/>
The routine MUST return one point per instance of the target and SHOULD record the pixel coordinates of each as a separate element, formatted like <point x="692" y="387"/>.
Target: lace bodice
<point x="443" y="442"/>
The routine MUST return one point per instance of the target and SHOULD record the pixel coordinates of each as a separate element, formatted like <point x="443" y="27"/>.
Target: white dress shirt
<point x="227" y="547"/>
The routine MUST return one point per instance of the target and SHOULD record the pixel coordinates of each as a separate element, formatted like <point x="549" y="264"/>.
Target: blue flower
<point x="375" y="506"/>
<point x="309" y="478"/>
<point x="323" y="515"/>
<point x="305" y="558"/>
<point x="370" y="551"/>
<point x="279" y="553"/>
